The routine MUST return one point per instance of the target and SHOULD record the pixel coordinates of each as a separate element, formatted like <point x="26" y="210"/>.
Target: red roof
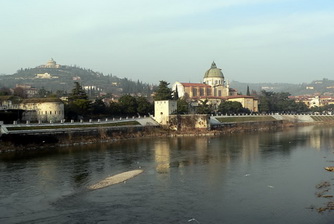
<point x="240" y="96"/>
<point x="195" y="85"/>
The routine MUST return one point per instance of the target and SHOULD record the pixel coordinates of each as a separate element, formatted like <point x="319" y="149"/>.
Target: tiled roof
<point x="195" y="85"/>
<point x="240" y="96"/>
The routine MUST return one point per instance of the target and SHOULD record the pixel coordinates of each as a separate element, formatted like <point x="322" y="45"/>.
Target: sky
<point x="278" y="41"/>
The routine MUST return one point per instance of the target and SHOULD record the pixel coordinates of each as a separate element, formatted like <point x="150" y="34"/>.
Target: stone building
<point x="50" y="64"/>
<point x="213" y="85"/>
<point x="214" y="89"/>
<point x="43" y="109"/>
<point x="162" y="110"/>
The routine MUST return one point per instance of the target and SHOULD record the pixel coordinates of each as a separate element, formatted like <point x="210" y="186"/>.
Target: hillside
<point x="63" y="78"/>
<point x="324" y="87"/>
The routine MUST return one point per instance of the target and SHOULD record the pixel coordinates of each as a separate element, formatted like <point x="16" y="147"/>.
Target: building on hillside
<point x="162" y="110"/>
<point x="214" y="89"/>
<point x="6" y="102"/>
<point x="314" y="100"/>
<point x="28" y="89"/>
<point x="50" y="64"/>
<point x="45" y="76"/>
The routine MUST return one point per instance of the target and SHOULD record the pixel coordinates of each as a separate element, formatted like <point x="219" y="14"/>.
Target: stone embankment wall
<point x="249" y="126"/>
<point x="73" y="136"/>
<point x="189" y="122"/>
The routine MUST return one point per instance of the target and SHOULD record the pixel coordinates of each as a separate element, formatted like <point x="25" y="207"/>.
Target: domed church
<point x="50" y="64"/>
<point x="214" y="89"/>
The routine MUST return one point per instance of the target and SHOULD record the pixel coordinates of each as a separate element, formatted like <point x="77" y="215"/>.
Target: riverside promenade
<point x="20" y="128"/>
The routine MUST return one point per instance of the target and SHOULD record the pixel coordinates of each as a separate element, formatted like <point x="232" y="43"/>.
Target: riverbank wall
<point x="33" y="139"/>
<point x="73" y="136"/>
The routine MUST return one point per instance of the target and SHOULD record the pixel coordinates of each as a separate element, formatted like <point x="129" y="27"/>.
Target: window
<point x="201" y="92"/>
<point x="208" y="92"/>
<point x="194" y="92"/>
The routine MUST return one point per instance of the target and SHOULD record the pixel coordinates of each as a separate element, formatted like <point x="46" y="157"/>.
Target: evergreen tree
<point x="176" y="94"/>
<point x="144" y="107"/>
<point x="78" y="103"/>
<point x="204" y="108"/>
<point x="248" y="92"/>
<point x="182" y="106"/>
<point x="128" y="105"/>
<point x="163" y="92"/>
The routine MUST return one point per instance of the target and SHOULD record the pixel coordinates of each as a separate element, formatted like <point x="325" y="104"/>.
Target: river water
<point x="269" y="177"/>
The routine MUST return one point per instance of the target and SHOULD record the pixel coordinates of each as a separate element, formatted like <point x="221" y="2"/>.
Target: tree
<point x="99" y="107"/>
<point x="279" y="102"/>
<point x="114" y="108"/>
<point x="176" y="94"/>
<point x="182" y="106"/>
<point x="204" y="108"/>
<point x="78" y="103"/>
<point x="78" y="93"/>
<point x="248" y="92"/>
<point x="163" y="92"/>
<point x="128" y="105"/>
<point x="231" y="107"/>
<point x="144" y="107"/>
<point x="4" y="91"/>
<point x="20" y="92"/>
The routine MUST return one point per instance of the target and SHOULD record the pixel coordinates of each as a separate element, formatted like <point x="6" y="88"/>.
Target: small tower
<point x="162" y="110"/>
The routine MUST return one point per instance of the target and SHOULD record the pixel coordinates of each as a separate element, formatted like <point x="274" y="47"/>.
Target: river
<point x="265" y="177"/>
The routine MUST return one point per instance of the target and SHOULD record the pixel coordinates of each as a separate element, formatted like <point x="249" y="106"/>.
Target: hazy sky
<point x="173" y="40"/>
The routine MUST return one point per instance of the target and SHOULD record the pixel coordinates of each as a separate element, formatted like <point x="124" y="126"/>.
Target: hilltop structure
<point x="214" y="89"/>
<point x="50" y="64"/>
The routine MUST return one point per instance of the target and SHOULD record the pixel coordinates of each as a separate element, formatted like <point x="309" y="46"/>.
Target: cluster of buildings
<point x="214" y="89"/>
<point x="314" y="100"/>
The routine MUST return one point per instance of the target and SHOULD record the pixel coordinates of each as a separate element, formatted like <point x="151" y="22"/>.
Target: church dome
<point x="214" y="72"/>
<point x="51" y="62"/>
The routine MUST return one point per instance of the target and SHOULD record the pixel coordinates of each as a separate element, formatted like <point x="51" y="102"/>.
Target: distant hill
<point x="52" y="76"/>
<point x="324" y="87"/>
<point x="63" y="78"/>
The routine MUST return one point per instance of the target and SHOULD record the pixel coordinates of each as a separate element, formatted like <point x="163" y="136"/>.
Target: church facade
<point x="214" y="89"/>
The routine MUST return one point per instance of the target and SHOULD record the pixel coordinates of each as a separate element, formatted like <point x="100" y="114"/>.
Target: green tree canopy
<point x="279" y="102"/>
<point x="182" y="106"/>
<point x="128" y="104"/>
<point x="78" y="93"/>
<point x="98" y="107"/>
<point x="231" y="107"/>
<point x="204" y="108"/>
<point x="163" y="92"/>
<point x="144" y="106"/>
<point x="78" y="103"/>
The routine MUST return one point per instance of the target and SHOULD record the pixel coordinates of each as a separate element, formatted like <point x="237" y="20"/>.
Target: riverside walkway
<point x="62" y="126"/>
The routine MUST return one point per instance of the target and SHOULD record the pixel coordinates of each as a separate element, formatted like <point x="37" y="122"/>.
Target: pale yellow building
<point x="162" y="110"/>
<point x="247" y="102"/>
<point x="45" y="109"/>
